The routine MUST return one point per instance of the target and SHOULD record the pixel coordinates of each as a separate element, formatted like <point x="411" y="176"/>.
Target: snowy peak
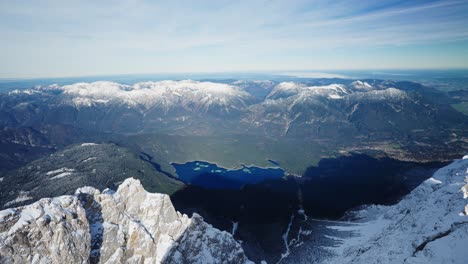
<point x="334" y="91"/>
<point x="192" y="95"/>
<point x="361" y="86"/>
<point x="286" y="89"/>
<point x="385" y="95"/>
<point x="129" y="225"/>
<point x="334" y="108"/>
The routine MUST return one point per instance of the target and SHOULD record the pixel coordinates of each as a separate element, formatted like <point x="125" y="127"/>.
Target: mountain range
<point x="325" y="117"/>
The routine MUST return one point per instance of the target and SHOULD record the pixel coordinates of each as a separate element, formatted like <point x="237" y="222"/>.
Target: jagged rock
<point x="126" y="226"/>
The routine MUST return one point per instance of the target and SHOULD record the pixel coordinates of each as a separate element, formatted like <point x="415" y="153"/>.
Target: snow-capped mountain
<point x="429" y="225"/>
<point x="141" y="107"/>
<point x="192" y="95"/>
<point x="339" y="110"/>
<point x="287" y="89"/>
<point x="126" y="226"/>
<point x="361" y="86"/>
<point x="344" y="111"/>
<point x="276" y="109"/>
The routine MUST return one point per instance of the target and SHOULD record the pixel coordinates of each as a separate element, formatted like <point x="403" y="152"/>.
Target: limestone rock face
<point x="50" y="230"/>
<point x="126" y="226"/>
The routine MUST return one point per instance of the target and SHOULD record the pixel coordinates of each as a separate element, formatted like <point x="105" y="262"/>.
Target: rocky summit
<point x="129" y="225"/>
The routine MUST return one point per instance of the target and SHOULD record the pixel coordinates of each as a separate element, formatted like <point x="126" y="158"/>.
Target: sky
<point x="48" y="38"/>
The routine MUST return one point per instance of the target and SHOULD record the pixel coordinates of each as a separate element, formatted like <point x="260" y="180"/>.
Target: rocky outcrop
<point x="129" y="225"/>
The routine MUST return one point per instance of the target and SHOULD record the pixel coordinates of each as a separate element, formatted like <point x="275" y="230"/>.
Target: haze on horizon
<point x="75" y="38"/>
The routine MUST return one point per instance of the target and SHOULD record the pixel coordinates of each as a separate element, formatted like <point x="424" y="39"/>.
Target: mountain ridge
<point x="129" y="225"/>
<point x="429" y="225"/>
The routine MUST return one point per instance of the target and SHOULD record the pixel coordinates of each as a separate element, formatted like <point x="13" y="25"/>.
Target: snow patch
<point x="235" y="225"/>
<point x="25" y="91"/>
<point x="22" y="197"/>
<point x="285" y="239"/>
<point x="362" y="232"/>
<point x="89" y="159"/>
<point x="433" y="181"/>
<point x="61" y="175"/>
<point x="61" y="170"/>
<point x="334" y="96"/>
<point x="6" y="213"/>
<point x="89" y="144"/>
<point x="58" y="171"/>
<point x="302" y="212"/>
<point x="361" y="86"/>
<point x="465" y="191"/>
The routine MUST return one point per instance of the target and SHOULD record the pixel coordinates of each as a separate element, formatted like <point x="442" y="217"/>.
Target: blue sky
<point x="51" y="38"/>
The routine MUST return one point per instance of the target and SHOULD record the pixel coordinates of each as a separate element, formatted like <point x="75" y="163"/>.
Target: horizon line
<point x="266" y="72"/>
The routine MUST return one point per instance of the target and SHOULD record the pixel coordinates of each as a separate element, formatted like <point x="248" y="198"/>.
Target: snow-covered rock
<point x="287" y="89"/>
<point x="430" y="225"/>
<point x="126" y="226"/>
<point x="385" y="95"/>
<point x="361" y="86"/>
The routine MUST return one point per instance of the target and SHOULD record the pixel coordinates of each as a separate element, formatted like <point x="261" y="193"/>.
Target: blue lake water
<point x="212" y="176"/>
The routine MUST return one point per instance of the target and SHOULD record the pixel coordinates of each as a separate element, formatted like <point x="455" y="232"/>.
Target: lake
<point x="211" y="176"/>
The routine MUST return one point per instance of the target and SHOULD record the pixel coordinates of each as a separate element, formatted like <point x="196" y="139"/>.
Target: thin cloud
<point x="128" y="36"/>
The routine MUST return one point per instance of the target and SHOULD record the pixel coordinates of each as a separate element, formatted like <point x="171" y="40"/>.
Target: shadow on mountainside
<point x="263" y="211"/>
<point x="339" y="184"/>
<point x="94" y="216"/>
